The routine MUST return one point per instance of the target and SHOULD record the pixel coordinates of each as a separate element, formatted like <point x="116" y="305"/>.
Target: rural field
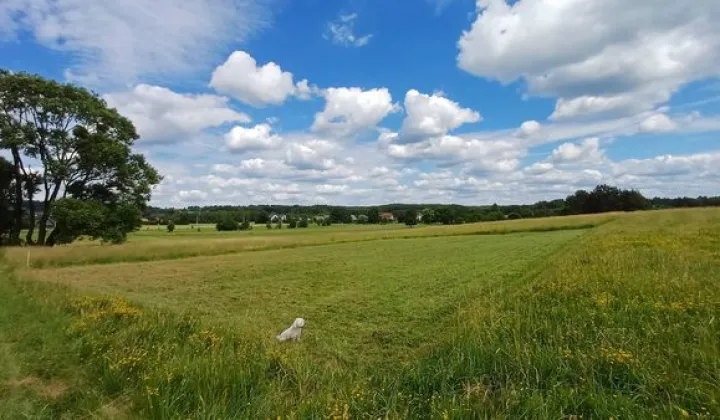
<point x="596" y="316"/>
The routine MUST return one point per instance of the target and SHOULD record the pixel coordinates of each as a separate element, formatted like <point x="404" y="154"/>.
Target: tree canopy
<point x="88" y="180"/>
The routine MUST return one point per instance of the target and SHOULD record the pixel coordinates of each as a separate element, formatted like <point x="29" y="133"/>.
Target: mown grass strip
<point x="172" y="250"/>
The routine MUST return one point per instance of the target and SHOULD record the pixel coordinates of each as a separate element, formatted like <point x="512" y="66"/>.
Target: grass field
<point x="151" y="245"/>
<point x="612" y="316"/>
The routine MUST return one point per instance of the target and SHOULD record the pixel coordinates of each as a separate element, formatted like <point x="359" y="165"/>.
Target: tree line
<point x="603" y="198"/>
<point x="71" y="171"/>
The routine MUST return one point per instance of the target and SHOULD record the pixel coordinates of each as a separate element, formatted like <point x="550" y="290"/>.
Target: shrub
<point x="245" y="225"/>
<point x="292" y="224"/>
<point x="227" y="224"/>
<point x="303" y="223"/>
<point x="268" y="225"/>
<point x="171" y="226"/>
<point x="514" y="216"/>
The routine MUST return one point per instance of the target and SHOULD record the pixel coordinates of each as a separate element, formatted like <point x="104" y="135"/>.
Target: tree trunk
<point x="52" y="238"/>
<point x="31" y="229"/>
<point x="47" y="207"/>
<point x="14" y="238"/>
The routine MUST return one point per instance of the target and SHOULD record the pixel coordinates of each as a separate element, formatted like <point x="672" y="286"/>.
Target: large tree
<point x="84" y="151"/>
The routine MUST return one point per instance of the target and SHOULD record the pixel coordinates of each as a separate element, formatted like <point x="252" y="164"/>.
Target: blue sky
<point x="370" y="102"/>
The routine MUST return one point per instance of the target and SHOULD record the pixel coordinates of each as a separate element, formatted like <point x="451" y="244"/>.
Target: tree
<point x="228" y="223"/>
<point x="428" y="216"/>
<point x="339" y="215"/>
<point x="373" y="215"/>
<point x="171" y="226"/>
<point x="32" y="182"/>
<point x="85" y="150"/>
<point x="262" y="217"/>
<point x="303" y="223"/>
<point x="411" y="217"/>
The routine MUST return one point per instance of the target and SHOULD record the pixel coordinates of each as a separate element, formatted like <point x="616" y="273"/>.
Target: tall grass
<point x="220" y="243"/>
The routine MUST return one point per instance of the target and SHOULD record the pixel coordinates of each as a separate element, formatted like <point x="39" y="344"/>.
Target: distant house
<point x="353" y="218"/>
<point x="321" y="217"/>
<point x="387" y="216"/>
<point x="275" y="217"/>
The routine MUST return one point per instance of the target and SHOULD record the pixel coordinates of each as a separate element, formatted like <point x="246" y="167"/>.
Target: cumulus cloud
<point x="495" y="155"/>
<point x="118" y="42"/>
<point x="241" y="139"/>
<point x="529" y="128"/>
<point x="242" y="78"/>
<point x="314" y="154"/>
<point x="161" y="114"/>
<point x="342" y="32"/>
<point x="699" y="165"/>
<point x="588" y="151"/>
<point x="633" y="61"/>
<point x="657" y="123"/>
<point x="432" y="116"/>
<point x="350" y="111"/>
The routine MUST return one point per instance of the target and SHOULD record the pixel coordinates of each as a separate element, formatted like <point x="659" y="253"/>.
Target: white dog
<point x="292" y="333"/>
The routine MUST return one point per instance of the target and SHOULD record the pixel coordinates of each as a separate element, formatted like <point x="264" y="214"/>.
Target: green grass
<point x="384" y="295"/>
<point x="154" y="245"/>
<point x="616" y="321"/>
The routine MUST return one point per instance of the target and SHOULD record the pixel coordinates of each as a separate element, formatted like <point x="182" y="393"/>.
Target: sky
<point x="366" y="102"/>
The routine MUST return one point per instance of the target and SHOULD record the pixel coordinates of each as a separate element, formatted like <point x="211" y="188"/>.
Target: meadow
<point x="151" y="244"/>
<point x="607" y="316"/>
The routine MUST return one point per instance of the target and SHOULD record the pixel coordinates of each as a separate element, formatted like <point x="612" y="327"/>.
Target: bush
<point x="171" y="226"/>
<point x="303" y="223"/>
<point x="245" y="225"/>
<point x="513" y="216"/>
<point x="268" y="225"/>
<point x="279" y="225"/>
<point x="227" y="224"/>
<point x="292" y="224"/>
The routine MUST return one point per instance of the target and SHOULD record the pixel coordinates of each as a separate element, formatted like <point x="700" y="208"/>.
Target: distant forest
<point x="603" y="198"/>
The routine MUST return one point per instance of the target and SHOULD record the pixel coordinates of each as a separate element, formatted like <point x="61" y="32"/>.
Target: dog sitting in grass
<point x="292" y="333"/>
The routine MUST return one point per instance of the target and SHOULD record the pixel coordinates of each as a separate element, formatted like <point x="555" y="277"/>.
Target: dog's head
<point x="299" y="323"/>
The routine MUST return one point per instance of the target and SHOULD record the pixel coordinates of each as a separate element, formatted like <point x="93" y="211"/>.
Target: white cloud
<point x="241" y="77"/>
<point x="342" y="32"/>
<point x="698" y="165"/>
<point x="191" y="195"/>
<point x="329" y="189"/>
<point x="432" y="116"/>
<point x="241" y="139"/>
<point x="310" y="155"/>
<point x="120" y="41"/>
<point x="657" y="123"/>
<point x="528" y="128"/>
<point x="350" y="111"/>
<point x="495" y="156"/>
<point x="586" y="152"/>
<point x="161" y="114"/>
<point x="624" y="56"/>
<point x="224" y="168"/>
<point x="604" y="105"/>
